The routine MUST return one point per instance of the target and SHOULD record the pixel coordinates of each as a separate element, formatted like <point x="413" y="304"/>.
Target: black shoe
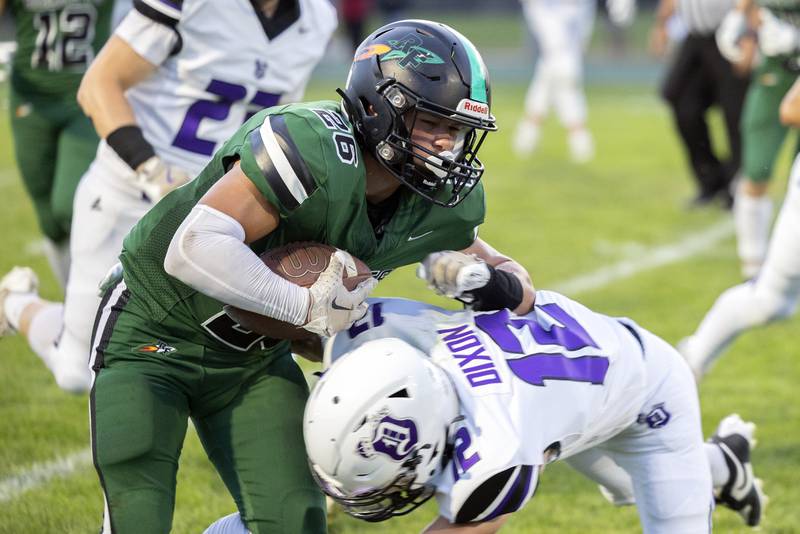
<point x="742" y="493"/>
<point x="701" y="200"/>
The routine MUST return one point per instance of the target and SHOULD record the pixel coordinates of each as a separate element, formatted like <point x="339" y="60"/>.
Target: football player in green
<point x="777" y="24"/>
<point x="54" y="142"/>
<point x="389" y="174"/>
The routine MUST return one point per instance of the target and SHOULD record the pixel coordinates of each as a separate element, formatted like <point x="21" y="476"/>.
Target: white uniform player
<point x="772" y="295"/>
<point x="217" y="64"/>
<point x="506" y="395"/>
<point x="562" y="29"/>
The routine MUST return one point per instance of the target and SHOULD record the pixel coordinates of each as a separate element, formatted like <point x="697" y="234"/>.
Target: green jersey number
<point x="64" y="38"/>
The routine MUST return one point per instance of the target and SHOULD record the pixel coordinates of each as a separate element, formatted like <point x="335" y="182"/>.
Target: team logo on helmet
<point x="372" y="50"/>
<point x="393" y="437"/>
<point x="410" y="53"/>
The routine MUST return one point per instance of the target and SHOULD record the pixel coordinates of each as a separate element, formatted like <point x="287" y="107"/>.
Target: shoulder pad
<point x="279" y="161"/>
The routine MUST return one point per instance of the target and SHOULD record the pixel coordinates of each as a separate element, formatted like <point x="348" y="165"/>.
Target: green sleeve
<point x="292" y="156"/>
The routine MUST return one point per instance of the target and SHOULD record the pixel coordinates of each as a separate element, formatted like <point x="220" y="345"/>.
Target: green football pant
<point x="247" y="409"/>
<point x="762" y="131"/>
<point x="54" y="145"/>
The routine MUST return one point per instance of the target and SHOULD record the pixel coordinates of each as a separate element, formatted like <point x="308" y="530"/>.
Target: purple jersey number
<point x="218" y="110"/>
<point x="536" y="368"/>
<point x="461" y="461"/>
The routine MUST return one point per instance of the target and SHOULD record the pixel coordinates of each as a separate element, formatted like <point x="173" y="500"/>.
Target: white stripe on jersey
<point x="113" y="299"/>
<point x="166" y="8"/>
<point x="282" y="164"/>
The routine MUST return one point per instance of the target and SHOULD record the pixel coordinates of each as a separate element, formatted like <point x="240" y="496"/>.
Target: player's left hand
<point x="776" y="37"/>
<point x="452" y="273"/>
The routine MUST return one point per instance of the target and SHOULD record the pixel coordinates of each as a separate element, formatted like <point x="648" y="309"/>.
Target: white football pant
<point x="105" y="208"/>
<point x="562" y="30"/>
<point x="659" y="462"/>
<point x="772" y="295"/>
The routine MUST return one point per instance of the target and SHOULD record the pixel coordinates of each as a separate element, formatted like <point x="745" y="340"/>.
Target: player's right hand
<point x="156" y="178"/>
<point x="730" y="31"/>
<point x="331" y="306"/>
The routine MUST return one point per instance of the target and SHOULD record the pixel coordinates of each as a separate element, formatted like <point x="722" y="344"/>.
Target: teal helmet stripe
<point x="477" y="70"/>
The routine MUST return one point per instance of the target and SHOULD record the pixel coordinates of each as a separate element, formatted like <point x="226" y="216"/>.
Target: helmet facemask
<point x="444" y="178"/>
<point x="400" y="497"/>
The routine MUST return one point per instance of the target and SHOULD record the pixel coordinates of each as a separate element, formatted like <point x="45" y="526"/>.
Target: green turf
<point x="558" y="219"/>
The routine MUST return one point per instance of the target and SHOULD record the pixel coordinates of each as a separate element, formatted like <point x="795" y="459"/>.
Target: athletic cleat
<point x="18" y="280"/>
<point x="526" y="137"/>
<point x="581" y="146"/>
<point x="742" y="493"/>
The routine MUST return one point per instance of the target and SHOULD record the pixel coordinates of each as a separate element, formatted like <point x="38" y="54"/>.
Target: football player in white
<point x="175" y="80"/>
<point x="417" y="401"/>
<point x="562" y="30"/>
<point x="774" y="293"/>
<point x="469" y="407"/>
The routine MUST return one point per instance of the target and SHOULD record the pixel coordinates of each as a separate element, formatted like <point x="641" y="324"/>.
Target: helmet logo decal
<point x="371" y="50"/>
<point x="394" y="437"/>
<point x="473" y="107"/>
<point x="410" y="53"/>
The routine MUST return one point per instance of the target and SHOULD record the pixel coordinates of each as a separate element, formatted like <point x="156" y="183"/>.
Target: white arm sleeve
<point x="208" y="253"/>
<point x="148" y="38"/>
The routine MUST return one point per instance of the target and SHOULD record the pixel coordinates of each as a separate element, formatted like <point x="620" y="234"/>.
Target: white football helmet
<point x="376" y="429"/>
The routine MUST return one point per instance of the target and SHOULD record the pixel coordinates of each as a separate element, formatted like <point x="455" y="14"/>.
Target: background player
<point x="54" y="142"/>
<point x="393" y="179"/>
<point x="562" y="30"/>
<point x="770" y="296"/>
<point x="471" y="407"/>
<point x="173" y="82"/>
<point x="776" y="23"/>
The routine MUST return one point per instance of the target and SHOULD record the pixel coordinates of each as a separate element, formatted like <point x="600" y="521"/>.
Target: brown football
<point x="301" y="263"/>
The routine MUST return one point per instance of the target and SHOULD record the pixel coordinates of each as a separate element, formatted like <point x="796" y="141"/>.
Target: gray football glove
<point x="452" y="273"/>
<point x="156" y="178"/>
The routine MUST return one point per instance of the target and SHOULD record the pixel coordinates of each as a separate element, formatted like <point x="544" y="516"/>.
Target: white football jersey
<point x="223" y="62"/>
<point x="532" y="389"/>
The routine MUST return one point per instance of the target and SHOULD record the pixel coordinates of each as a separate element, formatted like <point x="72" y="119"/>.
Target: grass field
<point x="561" y="221"/>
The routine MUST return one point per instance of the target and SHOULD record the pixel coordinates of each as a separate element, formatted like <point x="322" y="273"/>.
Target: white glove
<point x="156" y="178"/>
<point x="776" y="37"/>
<point x="730" y="31"/>
<point x="451" y="273"/>
<point x="621" y="12"/>
<point x="332" y="307"/>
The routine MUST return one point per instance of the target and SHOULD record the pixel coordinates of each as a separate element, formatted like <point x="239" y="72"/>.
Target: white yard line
<point x="40" y="473"/>
<point x="649" y="259"/>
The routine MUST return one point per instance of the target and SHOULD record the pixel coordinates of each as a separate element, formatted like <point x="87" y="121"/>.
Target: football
<point x="300" y="263"/>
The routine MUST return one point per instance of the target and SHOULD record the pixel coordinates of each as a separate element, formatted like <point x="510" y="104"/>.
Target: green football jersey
<point x="305" y="161"/>
<point x="56" y="41"/>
